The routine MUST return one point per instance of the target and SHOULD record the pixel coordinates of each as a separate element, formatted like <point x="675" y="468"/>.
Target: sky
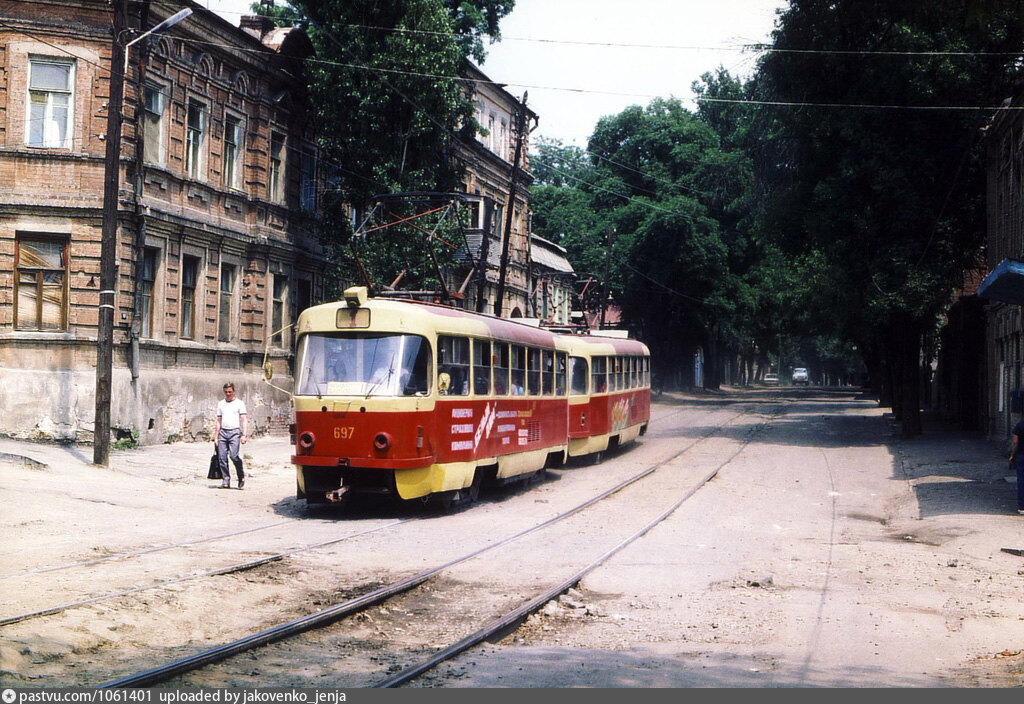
<point x="579" y="60"/>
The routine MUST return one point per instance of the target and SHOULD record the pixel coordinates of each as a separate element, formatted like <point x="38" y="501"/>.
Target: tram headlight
<point x="307" y="440"/>
<point x="355" y="296"/>
<point x="382" y="441"/>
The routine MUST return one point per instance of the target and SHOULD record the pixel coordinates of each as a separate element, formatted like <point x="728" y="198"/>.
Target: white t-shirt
<point x="231" y="413"/>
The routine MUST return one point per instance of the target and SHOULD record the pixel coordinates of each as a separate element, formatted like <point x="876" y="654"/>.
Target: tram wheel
<point x="472" y="494"/>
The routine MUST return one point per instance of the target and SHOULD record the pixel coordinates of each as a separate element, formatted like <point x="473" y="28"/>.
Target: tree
<point x="889" y="202"/>
<point x="386" y="93"/>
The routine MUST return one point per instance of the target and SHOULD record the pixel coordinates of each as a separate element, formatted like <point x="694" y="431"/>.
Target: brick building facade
<point x="214" y="259"/>
<point x="488" y="164"/>
<point x="1003" y="287"/>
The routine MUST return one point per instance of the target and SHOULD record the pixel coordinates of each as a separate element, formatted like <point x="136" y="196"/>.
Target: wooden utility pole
<point x="520" y="135"/>
<point x="108" y="249"/>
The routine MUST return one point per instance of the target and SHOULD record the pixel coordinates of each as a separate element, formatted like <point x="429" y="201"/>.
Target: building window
<point x="50" y="101"/>
<point x="276" y="185"/>
<point x="148" y="279"/>
<point x="233" y="144"/>
<point x="195" y="134"/>
<point x="498" y="221"/>
<point x="41" y="290"/>
<point x="153" y="124"/>
<point x="307" y="194"/>
<point x="227" y="291"/>
<point x="302" y="297"/>
<point x="277" y="310"/>
<point x="189" y="280"/>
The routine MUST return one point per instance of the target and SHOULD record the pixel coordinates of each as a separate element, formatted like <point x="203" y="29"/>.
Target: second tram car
<point x="418" y="400"/>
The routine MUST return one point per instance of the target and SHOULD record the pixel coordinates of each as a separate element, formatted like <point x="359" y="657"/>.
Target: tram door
<point x="579" y="412"/>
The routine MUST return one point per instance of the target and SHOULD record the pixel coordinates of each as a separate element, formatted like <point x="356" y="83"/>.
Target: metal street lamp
<point x="108" y="245"/>
<point x="167" y="23"/>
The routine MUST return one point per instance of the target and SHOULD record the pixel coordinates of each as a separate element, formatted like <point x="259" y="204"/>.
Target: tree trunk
<point x="911" y="377"/>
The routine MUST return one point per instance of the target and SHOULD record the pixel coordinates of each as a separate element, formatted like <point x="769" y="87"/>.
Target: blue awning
<point x="1004" y="283"/>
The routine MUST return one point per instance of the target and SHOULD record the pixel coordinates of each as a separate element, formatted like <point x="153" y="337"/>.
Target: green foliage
<point x="127" y="443"/>
<point x="887" y="204"/>
<point x="387" y="98"/>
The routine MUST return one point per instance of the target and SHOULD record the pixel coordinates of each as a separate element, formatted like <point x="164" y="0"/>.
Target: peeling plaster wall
<point x="169" y="406"/>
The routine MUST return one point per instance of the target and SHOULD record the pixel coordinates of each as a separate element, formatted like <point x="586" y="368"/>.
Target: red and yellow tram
<point x="418" y="400"/>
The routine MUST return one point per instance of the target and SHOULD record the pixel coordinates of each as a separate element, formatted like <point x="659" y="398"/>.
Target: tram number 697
<point x="344" y="432"/>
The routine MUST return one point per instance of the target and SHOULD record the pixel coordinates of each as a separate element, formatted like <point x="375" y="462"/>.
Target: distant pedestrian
<point x="232" y="429"/>
<point x="1017" y="460"/>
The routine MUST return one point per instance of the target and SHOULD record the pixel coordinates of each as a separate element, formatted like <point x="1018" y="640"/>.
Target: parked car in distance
<point x="771" y="379"/>
<point x="800" y="376"/>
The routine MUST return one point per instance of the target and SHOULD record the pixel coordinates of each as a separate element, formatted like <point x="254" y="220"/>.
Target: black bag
<point x="214" y="472"/>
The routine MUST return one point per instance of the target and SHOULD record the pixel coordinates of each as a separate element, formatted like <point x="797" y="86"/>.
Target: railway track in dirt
<point x="392" y="634"/>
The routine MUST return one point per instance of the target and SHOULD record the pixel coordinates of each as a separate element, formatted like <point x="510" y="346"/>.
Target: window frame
<point x="599" y="374"/>
<point x="278" y="305"/>
<point x="226" y="296"/>
<point x="517" y="370"/>
<point x="501" y="368"/>
<point x="39" y="273"/>
<point x="453" y="355"/>
<point x="69" y="121"/>
<point x="195" y="162"/>
<point x="233" y="166"/>
<point x="154" y="122"/>
<point x="534" y="370"/>
<point x="150" y="262"/>
<point x="481" y="365"/>
<point x="276" y="159"/>
<point x="187" y="325"/>
<point x="308" y="161"/>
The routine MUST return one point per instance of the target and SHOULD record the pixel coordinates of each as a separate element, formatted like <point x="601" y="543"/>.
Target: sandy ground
<point x="828" y="552"/>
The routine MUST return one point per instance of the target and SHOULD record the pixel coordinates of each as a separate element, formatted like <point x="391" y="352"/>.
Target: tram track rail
<point x="219" y="571"/>
<point x="353" y="606"/>
<point x="518" y="614"/>
<point x="145" y="551"/>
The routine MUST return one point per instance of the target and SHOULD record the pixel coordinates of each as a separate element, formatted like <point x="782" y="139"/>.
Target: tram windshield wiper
<point x="385" y="377"/>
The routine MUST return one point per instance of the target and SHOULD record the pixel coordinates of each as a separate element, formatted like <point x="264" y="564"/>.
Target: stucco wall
<point x="169" y="406"/>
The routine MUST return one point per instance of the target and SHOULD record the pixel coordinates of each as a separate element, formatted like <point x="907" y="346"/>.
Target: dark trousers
<point x="1019" y="464"/>
<point x="228" y="443"/>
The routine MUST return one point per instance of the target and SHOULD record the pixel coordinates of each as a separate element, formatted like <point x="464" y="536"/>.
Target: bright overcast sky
<point x="572" y="85"/>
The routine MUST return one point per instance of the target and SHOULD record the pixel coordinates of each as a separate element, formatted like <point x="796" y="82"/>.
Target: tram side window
<point x="620" y="372"/>
<point x="647" y="371"/>
<point x="632" y="373"/>
<point x="560" y="364"/>
<point x="501" y="368"/>
<point x="578" y="373"/>
<point x="453" y="360"/>
<point x="600" y="378"/>
<point x="481" y="367"/>
<point x="548" y="374"/>
<point x="533" y="371"/>
<point x="518" y="370"/>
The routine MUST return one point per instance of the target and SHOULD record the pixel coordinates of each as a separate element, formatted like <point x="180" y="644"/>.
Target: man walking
<point x="232" y="428"/>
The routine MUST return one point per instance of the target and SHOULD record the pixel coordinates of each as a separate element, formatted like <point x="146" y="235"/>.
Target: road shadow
<point x="537" y="666"/>
<point x="950" y="470"/>
<point x="954" y="471"/>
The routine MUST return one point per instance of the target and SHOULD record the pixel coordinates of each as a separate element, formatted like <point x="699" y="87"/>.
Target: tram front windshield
<point x="362" y="364"/>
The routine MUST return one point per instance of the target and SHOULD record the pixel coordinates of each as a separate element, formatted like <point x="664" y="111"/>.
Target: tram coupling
<point x="336" y="495"/>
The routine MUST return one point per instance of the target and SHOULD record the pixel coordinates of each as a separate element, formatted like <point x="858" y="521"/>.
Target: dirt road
<point x="826" y="552"/>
